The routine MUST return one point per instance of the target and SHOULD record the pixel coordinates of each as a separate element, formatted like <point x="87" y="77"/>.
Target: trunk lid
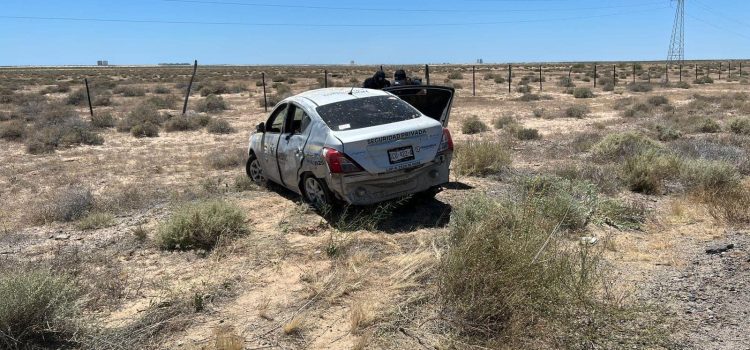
<point x="394" y="146"/>
<point x="433" y="101"/>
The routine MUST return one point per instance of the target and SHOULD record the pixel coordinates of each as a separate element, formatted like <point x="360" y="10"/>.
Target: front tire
<point x="316" y="192"/>
<point x="255" y="171"/>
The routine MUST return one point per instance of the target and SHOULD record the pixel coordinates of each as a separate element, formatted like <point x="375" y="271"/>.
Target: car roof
<point x="322" y="97"/>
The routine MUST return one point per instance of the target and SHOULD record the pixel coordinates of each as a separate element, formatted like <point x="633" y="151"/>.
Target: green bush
<point x="703" y="80"/>
<point x="657" y="101"/>
<point x="201" y="225"/>
<point x="667" y="132"/>
<point x="577" y="111"/>
<point x="499" y="80"/>
<point x="503" y="121"/>
<point x="708" y="125"/>
<point x="455" y="76"/>
<point x="103" y="120"/>
<point x="582" y="92"/>
<point x="740" y="125"/>
<point x="61" y="133"/>
<point x="472" y="125"/>
<point x="709" y="176"/>
<point x="143" y="113"/>
<point x="96" y="220"/>
<point x="181" y="123"/>
<point x="524" y="89"/>
<point x="219" y="126"/>
<point x="528" y="134"/>
<point x="212" y="104"/>
<point x="13" y="130"/>
<point x="67" y="204"/>
<point x="479" y="158"/>
<point x="566" y="82"/>
<point x="640" y="87"/>
<point x="161" y="90"/>
<point x="130" y="91"/>
<point x="503" y="273"/>
<point x="164" y="102"/>
<point x="226" y="159"/>
<point x="145" y="129"/>
<point x="683" y="85"/>
<point x="76" y="98"/>
<point x="38" y="309"/>
<point x="647" y="172"/>
<point x="616" y="147"/>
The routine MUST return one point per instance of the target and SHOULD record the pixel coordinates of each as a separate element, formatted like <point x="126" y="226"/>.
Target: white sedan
<point x="357" y="146"/>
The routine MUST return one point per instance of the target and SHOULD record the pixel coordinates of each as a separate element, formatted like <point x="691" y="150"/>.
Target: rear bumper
<point x="366" y="189"/>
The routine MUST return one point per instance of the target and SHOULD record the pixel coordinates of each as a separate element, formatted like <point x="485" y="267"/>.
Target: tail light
<point x="446" y="145"/>
<point x="339" y="163"/>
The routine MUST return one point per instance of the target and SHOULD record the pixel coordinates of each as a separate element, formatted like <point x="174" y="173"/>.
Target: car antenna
<point x="351" y="92"/>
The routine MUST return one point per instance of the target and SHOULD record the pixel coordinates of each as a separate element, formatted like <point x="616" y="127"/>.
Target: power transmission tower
<point x="676" y="53"/>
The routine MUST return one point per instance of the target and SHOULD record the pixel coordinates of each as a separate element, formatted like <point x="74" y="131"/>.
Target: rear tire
<point x="427" y="194"/>
<point x="316" y="193"/>
<point x="255" y="171"/>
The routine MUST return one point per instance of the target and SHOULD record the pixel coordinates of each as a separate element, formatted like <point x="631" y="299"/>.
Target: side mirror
<point x="261" y="128"/>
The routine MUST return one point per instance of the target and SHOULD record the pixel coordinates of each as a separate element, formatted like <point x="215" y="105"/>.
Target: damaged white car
<point x="357" y="146"/>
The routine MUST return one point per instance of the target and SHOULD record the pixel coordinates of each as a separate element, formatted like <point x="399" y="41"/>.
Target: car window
<point x="276" y="122"/>
<point x="298" y="118"/>
<point x="366" y="112"/>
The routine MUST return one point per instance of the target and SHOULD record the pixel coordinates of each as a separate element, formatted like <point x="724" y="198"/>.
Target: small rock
<point x="589" y="240"/>
<point x="61" y="237"/>
<point x="720" y="249"/>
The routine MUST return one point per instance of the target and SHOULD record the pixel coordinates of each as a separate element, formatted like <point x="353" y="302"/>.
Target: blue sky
<point x="368" y="32"/>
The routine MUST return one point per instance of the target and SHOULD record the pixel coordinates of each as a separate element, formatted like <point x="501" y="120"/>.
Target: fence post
<point x="666" y="73"/>
<point x="740" y="71"/>
<point x="648" y="71"/>
<point x="633" y="73"/>
<point x="510" y="77"/>
<point x="729" y="71"/>
<point x="190" y="86"/>
<point x="720" y="70"/>
<point x="265" y="98"/>
<point x="540" y="78"/>
<point x="680" y="73"/>
<point x="594" y="75"/>
<point x="88" y="95"/>
<point x="325" y="79"/>
<point x="696" y="71"/>
<point x="427" y="73"/>
<point x="614" y="74"/>
<point x="474" y="80"/>
<point x="570" y="72"/>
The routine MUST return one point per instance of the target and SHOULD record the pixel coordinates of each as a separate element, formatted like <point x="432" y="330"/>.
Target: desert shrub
<point x="161" y="90"/>
<point x="577" y="111"/>
<point x="647" y="171"/>
<point x="708" y="125"/>
<point x="657" y="101"/>
<point x="566" y="82"/>
<point x="530" y="97"/>
<point x="616" y="147"/>
<point x="76" y="98"/>
<point x="102" y="100"/>
<point x="740" y="125"/>
<point x="528" y="134"/>
<point x="59" y="88"/>
<point x="455" y="76"/>
<point x="38" y="309"/>
<point x="503" y="121"/>
<point x="621" y="215"/>
<point x="492" y="246"/>
<point x="226" y="159"/>
<point x="13" y="130"/>
<point x="667" y="132"/>
<point x="278" y="78"/>
<point x="709" y="176"/>
<point x="61" y="133"/>
<point x="489" y="76"/>
<point x="219" y="126"/>
<point x="103" y="120"/>
<point x="145" y="129"/>
<point x="472" y="125"/>
<point x="683" y="85"/>
<point x="714" y="151"/>
<point x="640" y="87"/>
<point x="499" y="80"/>
<point x="539" y="113"/>
<point x="96" y="220"/>
<point x="703" y="80"/>
<point x="66" y="204"/>
<point x="730" y="204"/>
<point x="220" y="88"/>
<point x="181" y="123"/>
<point x="164" y="102"/>
<point x="604" y="176"/>
<point x="212" y="104"/>
<point x="479" y="158"/>
<point x="582" y="92"/>
<point x="201" y="225"/>
<point x="638" y="110"/>
<point x="143" y="113"/>
<point x="524" y="89"/>
<point x="570" y="203"/>
<point x="130" y="91"/>
<point x="243" y="183"/>
<point x="583" y="142"/>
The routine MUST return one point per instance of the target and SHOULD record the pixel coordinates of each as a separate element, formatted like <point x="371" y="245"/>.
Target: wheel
<point x="317" y="193"/>
<point x="428" y="194"/>
<point x="254" y="170"/>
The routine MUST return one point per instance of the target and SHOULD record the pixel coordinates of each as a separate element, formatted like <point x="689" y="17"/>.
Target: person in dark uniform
<point x="400" y="78"/>
<point x="378" y="81"/>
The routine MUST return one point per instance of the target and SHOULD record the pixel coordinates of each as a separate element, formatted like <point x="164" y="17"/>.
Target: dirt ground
<point x="277" y="287"/>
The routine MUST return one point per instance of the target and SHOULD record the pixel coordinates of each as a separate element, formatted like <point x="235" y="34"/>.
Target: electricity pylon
<point x="676" y="53"/>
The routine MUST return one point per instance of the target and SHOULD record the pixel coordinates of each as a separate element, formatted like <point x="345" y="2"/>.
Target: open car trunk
<point x="433" y="101"/>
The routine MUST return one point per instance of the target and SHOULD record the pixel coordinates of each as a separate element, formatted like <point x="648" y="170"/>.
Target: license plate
<point x="402" y="154"/>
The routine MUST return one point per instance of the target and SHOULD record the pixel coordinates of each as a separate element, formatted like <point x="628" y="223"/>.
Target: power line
<point x="313" y="7"/>
<point x="318" y="25"/>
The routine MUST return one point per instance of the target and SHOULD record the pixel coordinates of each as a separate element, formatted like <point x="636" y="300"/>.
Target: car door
<point x="433" y="101"/>
<point x="270" y="143"/>
<point x="292" y="144"/>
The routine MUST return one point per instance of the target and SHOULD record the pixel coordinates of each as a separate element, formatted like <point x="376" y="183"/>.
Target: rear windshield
<point x="366" y="112"/>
